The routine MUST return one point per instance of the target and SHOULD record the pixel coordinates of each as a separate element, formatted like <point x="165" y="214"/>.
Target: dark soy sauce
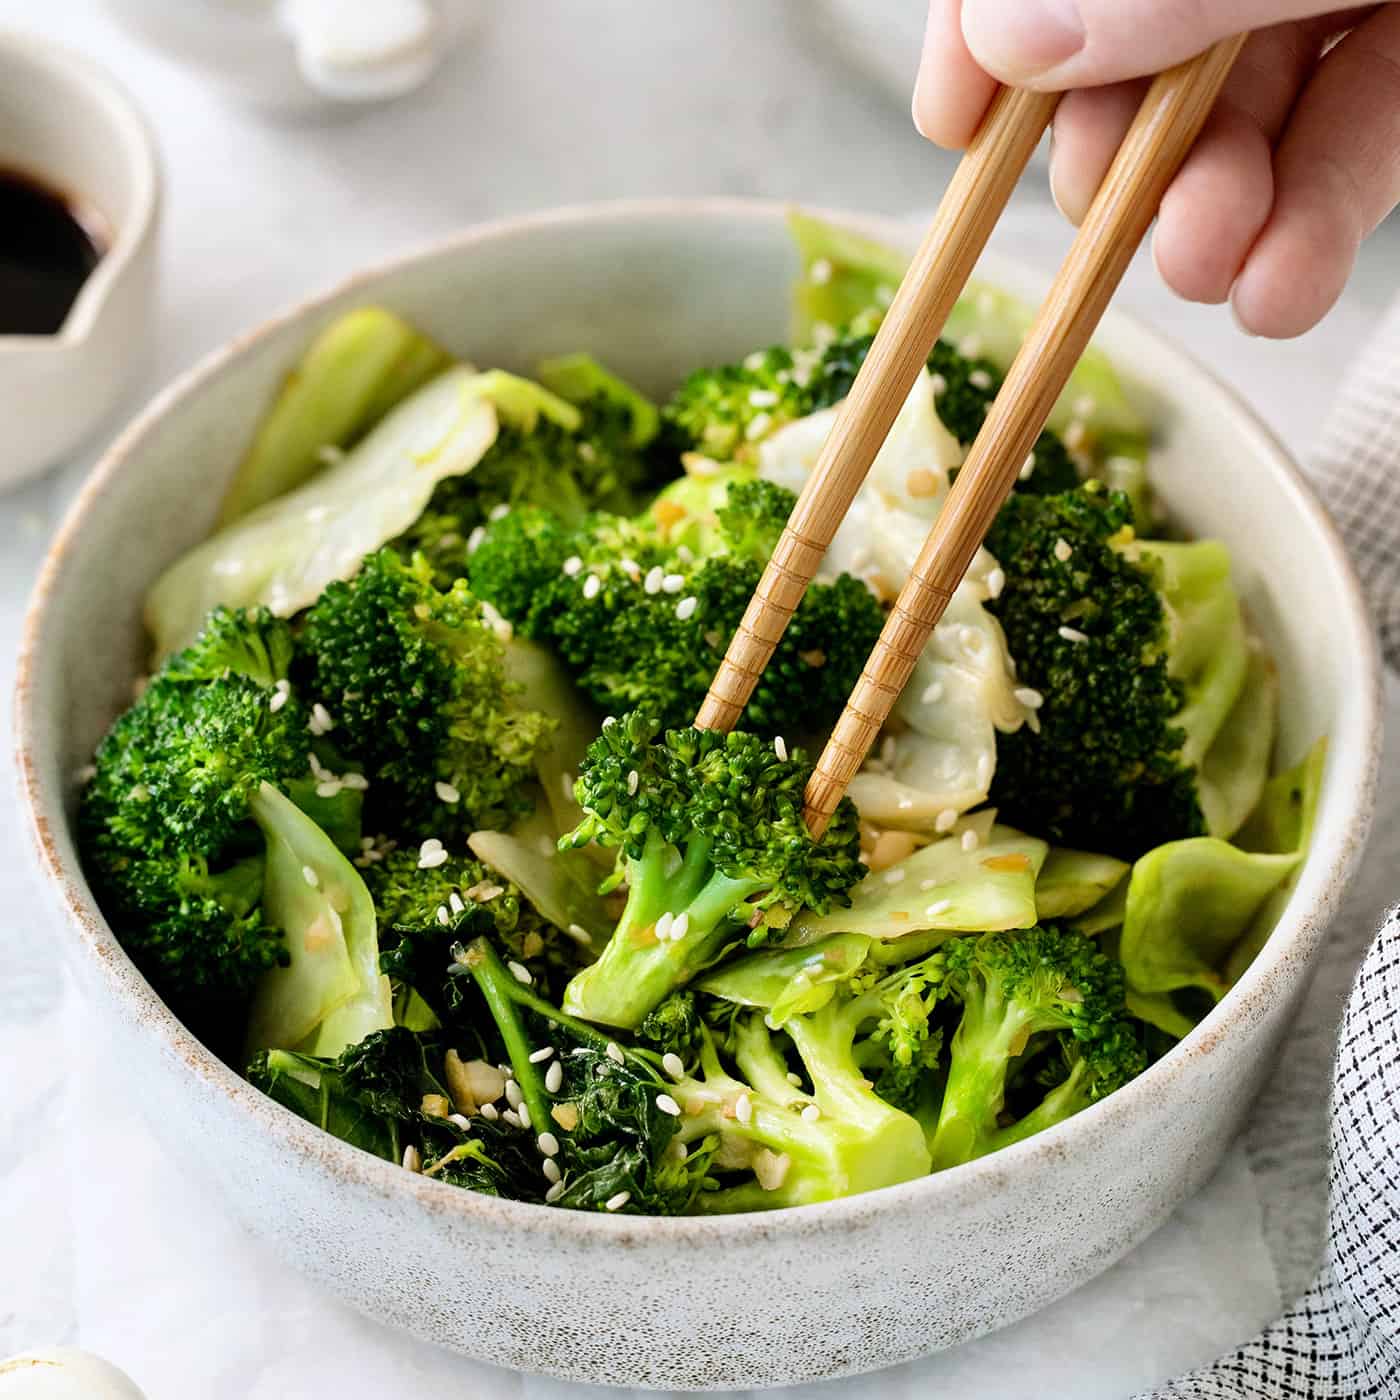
<point x="48" y="249"/>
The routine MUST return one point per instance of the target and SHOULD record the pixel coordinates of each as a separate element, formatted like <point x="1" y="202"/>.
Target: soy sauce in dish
<point x="48" y="249"/>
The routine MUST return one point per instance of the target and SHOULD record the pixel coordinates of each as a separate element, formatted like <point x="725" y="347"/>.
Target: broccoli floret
<point x="607" y="1123"/>
<point x="421" y="913"/>
<point x="413" y="680"/>
<point x="719" y="412"/>
<point x="164" y="825"/>
<point x="1116" y="651"/>
<point x="597" y="467"/>
<point x="641" y="624"/>
<point x="714" y="850"/>
<point x="752" y="518"/>
<point x="1015" y="987"/>
<point x="675" y="1027"/>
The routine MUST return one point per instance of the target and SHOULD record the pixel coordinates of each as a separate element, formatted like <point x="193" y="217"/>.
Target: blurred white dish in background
<point x="65" y="123"/>
<point x="301" y="55"/>
<point x="64" y="1373"/>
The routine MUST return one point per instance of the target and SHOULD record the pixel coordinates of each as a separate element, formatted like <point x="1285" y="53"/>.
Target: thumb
<point x="1056" y="44"/>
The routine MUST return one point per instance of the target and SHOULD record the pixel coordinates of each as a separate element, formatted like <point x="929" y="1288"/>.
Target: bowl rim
<point x="130" y="132"/>
<point x="1303" y="922"/>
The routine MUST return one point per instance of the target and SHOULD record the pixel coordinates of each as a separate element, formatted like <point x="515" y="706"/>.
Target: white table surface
<point x="552" y="104"/>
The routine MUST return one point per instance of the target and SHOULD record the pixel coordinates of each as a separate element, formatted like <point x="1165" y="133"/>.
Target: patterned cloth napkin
<point x="1342" y="1339"/>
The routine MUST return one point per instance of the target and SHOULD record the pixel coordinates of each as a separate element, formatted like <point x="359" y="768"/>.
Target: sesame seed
<point x="475" y="538"/>
<point x="321" y="718"/>
<point x="680" y="927"/>
<point x="356" y="782"/>
<point x="743" y="1109"/>
<point x="895" y="874"/>
<point x="412" y="1159"/>
<point x="554" y="1078"/>
<point x="513" y="1094"/>
<point x="673" y="583"/>
<point x="811" y="1113"/>
<point x="279" y="698"/>
<point x="548" y="1144"/>
<point x="685" y="609"/>
<point x="763" y="398"/>
<point x="1075" y="435"/>
<point x="634" y="780"/>
<point x="1027" y="468"/>
<point x="614" y="1053"/>
<point x="933" y="693"/>
<point x="1031" y="699"/>
<point x="946" y="820"/>
<point x="618" y="1201"/>
<point x="996" y="581"/>
<point x="1063" y="551"/>
<point x="490" y="1112"/>
<point x="630" y="567"/>
<point x="523" y="1113"/>
<point x="580" y="935"/>
<point x="498" y="512"/>
<point x="652" y="582"/>
<point x="430" y="860"/>
<point x="940" y="385"/>
<point x="592" y="586"/>
<point x="1085" y="406"/>
<point x="941" y="906"/>
<point x="794" y="1079"/>
<point x="454" y="901"/>
<point x="520" y="972"/>
<point x="554" y="1193"/>
<point x="446" y="792"/>
<point x="819" y="274"/>
<point x="754" y="360"/>
<point x="668" y="1105"/>
<point x="980" y="379"/>
<point x="330" y="788"/>
<point x="510" y="1116"/>
<point x="673" y="1065"/>
<point x="550" y="1167"/>
<point x="662" y="927"/>
<point x="970" y="347"/>
<point x="542" y="1054"/>
<point x="927" y="885"/>
<point x="443" y="917"/>
<point x="780" y="747"/>
<point x="573" y="566"/>
<point x="1073" y="634"/>
<point x="680" y="1151"/>
<point x="460" y="1119"/>
<point x="970" y="840"/>
<point x="758" y="425"/>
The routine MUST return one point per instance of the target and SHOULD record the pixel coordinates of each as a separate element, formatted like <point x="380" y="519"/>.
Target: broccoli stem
<point x="498" y="988"/>
<point x="990" y="1034"/>
<point x="1061" y="1102"/>
<point x="637" y="970"/>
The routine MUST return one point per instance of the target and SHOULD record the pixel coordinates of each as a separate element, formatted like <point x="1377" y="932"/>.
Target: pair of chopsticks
<point x="1162" y="134"/>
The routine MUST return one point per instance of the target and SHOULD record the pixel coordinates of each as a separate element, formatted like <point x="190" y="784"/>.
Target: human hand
<point x="1296" y="166"/>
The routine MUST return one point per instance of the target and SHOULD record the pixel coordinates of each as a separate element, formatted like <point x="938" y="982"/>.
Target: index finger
<point x="952" y="92"/>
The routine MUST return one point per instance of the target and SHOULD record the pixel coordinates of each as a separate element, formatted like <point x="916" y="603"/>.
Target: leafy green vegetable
<point x="1073" y="882"/>
<point x="350" y="376"/>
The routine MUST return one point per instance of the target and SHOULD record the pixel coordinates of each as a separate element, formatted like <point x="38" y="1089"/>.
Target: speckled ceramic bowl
<point x="655" y="289"/>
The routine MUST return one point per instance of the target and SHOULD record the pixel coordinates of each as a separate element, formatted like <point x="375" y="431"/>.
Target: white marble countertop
<point x="551" y="104"/>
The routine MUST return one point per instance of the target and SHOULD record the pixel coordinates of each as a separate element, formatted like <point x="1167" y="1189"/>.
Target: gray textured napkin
<point x="1341" y="1341"/>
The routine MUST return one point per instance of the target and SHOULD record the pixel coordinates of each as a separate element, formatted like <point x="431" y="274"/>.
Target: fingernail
<point x="1018" y="39"/>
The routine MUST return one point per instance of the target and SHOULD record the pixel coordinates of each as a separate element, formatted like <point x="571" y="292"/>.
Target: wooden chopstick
<point x="1166" y="126"/>
<point x="967" y="214"/>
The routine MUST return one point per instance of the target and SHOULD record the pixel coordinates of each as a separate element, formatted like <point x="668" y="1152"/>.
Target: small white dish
<point x="301" y="56"/>
<point x="66" y="124"/>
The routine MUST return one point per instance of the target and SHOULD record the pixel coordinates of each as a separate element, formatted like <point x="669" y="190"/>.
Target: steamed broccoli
<point x="600" y="465"/>
<point x="413" y="681"/>
<point x="164" y="826"/>
<point x="714" y="851"/>
<point x="1013" y="988"/>
<point x="643" y="625"/>
<point x="1137" y="651"/>
<point x="422" y="913"/>
<point x="720" y="412"/>
<point x="781" y="1144"/>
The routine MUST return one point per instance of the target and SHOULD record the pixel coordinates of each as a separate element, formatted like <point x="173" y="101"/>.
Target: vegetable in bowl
<point x="372" y="833"/>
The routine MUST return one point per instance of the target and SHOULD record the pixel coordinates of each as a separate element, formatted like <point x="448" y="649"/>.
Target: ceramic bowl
<point x="821" y="1291"/>
<point x="64" y="121"/>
